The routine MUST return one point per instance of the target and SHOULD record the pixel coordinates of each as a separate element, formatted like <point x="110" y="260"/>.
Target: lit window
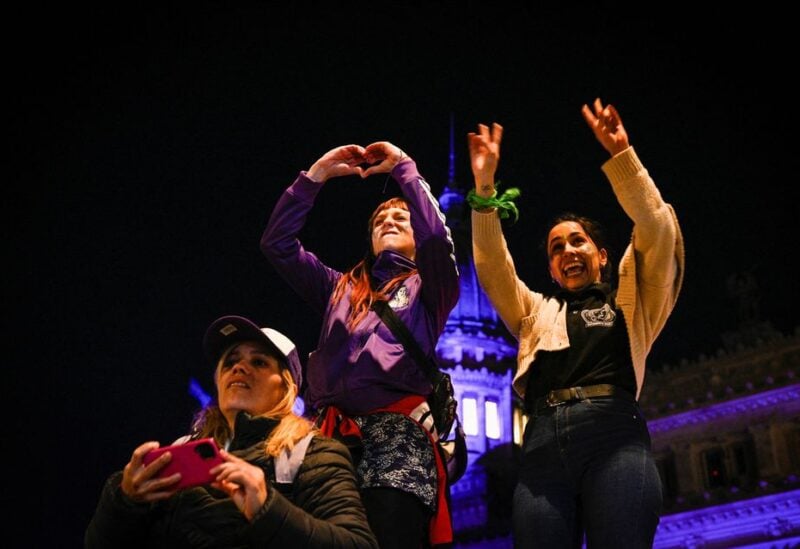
<point x="470" y="416"/>
<point x="492" y="420"/>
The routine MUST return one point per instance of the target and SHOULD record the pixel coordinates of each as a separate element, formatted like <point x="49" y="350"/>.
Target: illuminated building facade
<point x="726" y="437"/>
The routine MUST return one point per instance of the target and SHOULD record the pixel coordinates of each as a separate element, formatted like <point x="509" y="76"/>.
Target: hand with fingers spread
<point x="484" y="154"/>
<point x="385" y="154"/>
<point x="343" y="160"/>
<point x="607" y="127"/>
<point x="243" y="482"/>
<point x="139" y="481"/>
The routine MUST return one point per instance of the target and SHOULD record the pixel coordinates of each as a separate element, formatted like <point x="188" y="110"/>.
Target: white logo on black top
<point x="604" y="316"/>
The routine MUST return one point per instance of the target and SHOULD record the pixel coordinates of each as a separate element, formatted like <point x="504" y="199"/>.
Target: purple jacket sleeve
<point x="304" y="272"/>
<point x="435" y="254"/>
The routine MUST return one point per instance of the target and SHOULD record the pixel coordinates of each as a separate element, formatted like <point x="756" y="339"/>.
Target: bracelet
<point x="504" y="203"/>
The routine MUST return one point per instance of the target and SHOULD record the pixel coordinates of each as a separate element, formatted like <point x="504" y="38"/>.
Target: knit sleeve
<point x="496" y="272"/>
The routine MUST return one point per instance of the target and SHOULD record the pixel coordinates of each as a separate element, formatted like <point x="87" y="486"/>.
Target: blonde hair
<point x="292" y="427"/>
<point x="210" y="422"/>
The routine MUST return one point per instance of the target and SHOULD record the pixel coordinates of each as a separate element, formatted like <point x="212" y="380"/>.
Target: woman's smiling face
<point x="575" y="262"/>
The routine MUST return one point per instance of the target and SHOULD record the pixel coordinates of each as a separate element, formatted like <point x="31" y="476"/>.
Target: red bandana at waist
<point x="336" y="424"/>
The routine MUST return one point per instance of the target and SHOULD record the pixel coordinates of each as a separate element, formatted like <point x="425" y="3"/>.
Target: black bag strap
<point x="403" y="334"/>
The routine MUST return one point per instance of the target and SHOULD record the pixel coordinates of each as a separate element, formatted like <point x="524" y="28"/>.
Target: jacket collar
<point x="249" y="430"/>
<point x="389" y="264"/>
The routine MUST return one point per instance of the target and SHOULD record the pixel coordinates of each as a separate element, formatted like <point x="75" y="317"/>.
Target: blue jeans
<point x="587" y="469"/>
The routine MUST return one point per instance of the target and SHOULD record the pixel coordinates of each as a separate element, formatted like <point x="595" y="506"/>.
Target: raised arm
<point x="484" y="156"/>
<point x="435" y="252"/>
<point x="496" y="272"/>
<point x="307" y="275"/>
<point x="656" y="251"/>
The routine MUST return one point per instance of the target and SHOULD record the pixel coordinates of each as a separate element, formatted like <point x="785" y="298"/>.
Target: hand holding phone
<point x="192" y="460"/>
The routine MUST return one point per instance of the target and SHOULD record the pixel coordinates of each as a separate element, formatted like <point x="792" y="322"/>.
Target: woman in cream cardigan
<point x="587" y="467"/>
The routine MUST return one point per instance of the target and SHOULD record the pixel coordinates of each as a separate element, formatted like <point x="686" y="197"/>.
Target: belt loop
<point x="579" y="394"/>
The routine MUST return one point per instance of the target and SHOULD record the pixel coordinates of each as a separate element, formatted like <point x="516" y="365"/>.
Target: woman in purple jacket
<point x="360" y="379"/>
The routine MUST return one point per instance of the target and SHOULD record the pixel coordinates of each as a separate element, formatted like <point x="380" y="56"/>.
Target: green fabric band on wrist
<point x="504" y="203"/>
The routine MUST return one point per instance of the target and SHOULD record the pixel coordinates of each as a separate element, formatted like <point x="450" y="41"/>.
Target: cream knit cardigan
<point x="650" y="273"/>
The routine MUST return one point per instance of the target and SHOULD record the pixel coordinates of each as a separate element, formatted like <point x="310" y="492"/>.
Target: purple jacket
<point x="367" y="368"/>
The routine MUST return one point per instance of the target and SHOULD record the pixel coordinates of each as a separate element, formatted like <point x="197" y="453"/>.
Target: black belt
<point x="557" y="397"/>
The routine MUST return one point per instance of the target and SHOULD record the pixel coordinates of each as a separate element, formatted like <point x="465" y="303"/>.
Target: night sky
<point x="149" y="148"/>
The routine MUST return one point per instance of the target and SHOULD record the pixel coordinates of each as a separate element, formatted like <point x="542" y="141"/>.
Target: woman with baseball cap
<point x="280" y="484"/>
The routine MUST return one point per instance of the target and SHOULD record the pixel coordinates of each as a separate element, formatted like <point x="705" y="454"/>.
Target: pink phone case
<point x="192" y="460"/>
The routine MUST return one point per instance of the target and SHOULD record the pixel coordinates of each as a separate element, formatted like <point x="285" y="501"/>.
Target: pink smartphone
<point x="192" y="460"/>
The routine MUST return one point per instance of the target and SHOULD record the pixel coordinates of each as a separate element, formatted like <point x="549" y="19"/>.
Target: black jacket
<point x="321" y="508"/>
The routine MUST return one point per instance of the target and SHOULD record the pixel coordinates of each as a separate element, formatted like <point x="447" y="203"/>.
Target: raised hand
<point x="385" y="154"/>
<point x="344" y="160"/>
<point x="243" y="482"/>
<point x="607" y="127"/>
<point x="484" y="155"/>
<point x="139" y="482"/>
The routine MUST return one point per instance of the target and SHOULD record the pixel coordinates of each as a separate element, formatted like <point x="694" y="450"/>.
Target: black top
<point x="599" y="350"/>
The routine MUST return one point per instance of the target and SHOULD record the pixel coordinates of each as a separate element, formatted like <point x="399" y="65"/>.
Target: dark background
<point x="149" y="146"/>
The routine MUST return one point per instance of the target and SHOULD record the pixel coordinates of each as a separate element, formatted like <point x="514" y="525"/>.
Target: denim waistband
<point x="558" y="397"/>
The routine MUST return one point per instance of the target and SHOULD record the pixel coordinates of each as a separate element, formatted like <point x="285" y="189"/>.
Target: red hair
<point x="362" y="296"/>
